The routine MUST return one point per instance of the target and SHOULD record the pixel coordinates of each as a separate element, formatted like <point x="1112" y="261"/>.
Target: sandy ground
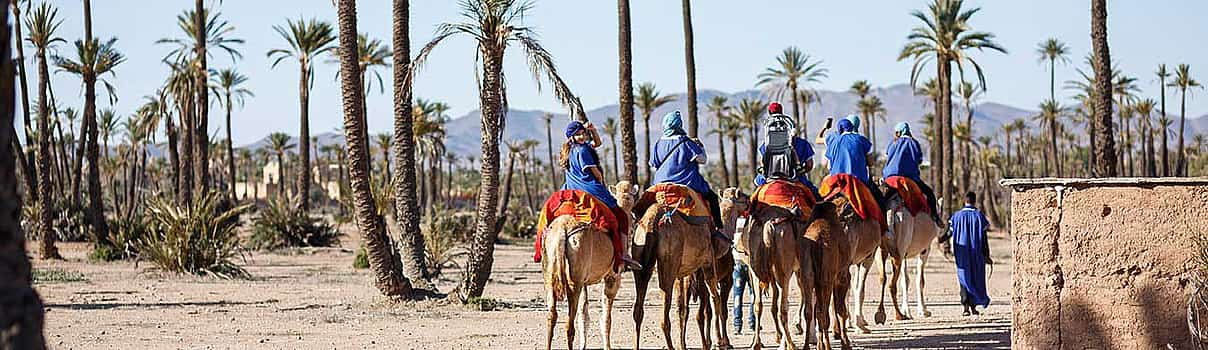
<point x="314" y="299"/>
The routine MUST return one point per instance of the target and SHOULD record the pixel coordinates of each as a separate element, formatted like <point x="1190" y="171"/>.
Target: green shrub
<point x="42" y="276"/>
<point x="124" y="234"/>
<point x="198" y="238"/>
<point x="361" y="261"/>
<point x="281" y="224"/>
<point x="443" y="240"/>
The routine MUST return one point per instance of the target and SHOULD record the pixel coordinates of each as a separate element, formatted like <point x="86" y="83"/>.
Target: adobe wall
<point x="1107" y="269"/>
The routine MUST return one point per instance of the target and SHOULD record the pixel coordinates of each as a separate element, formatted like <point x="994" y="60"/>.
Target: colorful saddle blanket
<point x="784" y="194"/>
<point x="582" y="205"/>
<point x="912" y="195"/>
<point x="857" y="193"/>
<point x="685" y="201"/>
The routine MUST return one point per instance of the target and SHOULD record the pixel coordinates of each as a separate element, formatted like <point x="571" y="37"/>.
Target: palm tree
<point x="690" y="64"/>
<point x="1053" y="50"/>
<point x="968" y="94"/>
<point x="279" y="143"/>
<point x="42" y="23"/>
<point x="494" y="26"/>
<point x="1183" y="81"/>
<point x="1105" y="153"/>
<point x="228" y="85"/>
<point x="406" y="205"/>
<point x="1007" y="130"/>
<point x="1125" y="89"/>
<point x="307" y="40"/>
<point x="385" y="264"/>
<point x="649" y="99"/>
<point x="383" y="143"/>
<point x="549" y="145"/>
<point x="28" y="159"/>
<point x="793" y="69"/>
<point x="1144" y="110"/>
<point x="629" y="147"/>
<point x="610" y="129"/>
<point x="749" y="111"/>
<point x="733" y="131"/>
<point x="944" y="38"/>
<point x="1050" y="112"/>
<point x="870" y="107"/>
<point x="718" y="106"/>
<point x="861" y="88"/>
<point x="1162" y="74"/>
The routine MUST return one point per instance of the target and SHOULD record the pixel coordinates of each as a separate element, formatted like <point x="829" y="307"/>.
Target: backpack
<point x="779" y="157"/>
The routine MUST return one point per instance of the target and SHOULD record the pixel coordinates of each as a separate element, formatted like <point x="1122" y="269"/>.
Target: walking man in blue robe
<point x="972" y="253"/>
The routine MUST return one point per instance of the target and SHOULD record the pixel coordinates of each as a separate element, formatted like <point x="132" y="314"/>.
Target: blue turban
<point x="573" y="128"/>
<point x="845" y="125"/>
<point x="902" y="128"/>
<point x="855" y="121"/>
<point x="673" y="124"/>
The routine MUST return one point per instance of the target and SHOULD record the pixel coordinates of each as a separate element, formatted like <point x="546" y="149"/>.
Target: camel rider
<point x="801" y="148"/>
<point x="677" y="158"/>
<point x="904" y="157"/>
<point x="582" y="164"/>
<point x="849" y="152"/>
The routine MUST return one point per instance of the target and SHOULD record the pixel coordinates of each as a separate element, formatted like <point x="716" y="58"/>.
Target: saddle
<point x="684" y="200"/>
<point x="856" y="192"/>
<point x="581" y="205"/>
<point x="911" y="194"/>
<point x="789" y="195"/>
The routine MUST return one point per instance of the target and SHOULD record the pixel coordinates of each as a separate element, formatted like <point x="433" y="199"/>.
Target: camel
<point x="733" y="204"/>
<point x="577" y="255"/>
<point x="863" y="238"/>
<point x="665" y="238"/>
<point x="771" y="243"/>
<point x="910" y="237"/>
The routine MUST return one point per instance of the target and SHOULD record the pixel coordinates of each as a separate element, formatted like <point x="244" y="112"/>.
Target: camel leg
<point x="879" y="317"/>
<point x="860" y="281"/>
<point x="584" y="320"/>
<point x="718" y="306"/>
<point x="572" y="304"/>
<point x="757" y="305"/>
<point x="822" y="300"/>
<point x="552" y="320"/>
<point x="667" y="285"/>
<point x="841" y="312"/>
<point x="918" y="288"/>
<point x="802" y="310"/>
<point x="681" y="303"/>
<point x="783" y="316"/>
<point x="611" y="287"/>
<point x="776" y="324"/>
<point x="703" y="315"/>
<point x="900" y="281"/>
<point x="641" y="279"/>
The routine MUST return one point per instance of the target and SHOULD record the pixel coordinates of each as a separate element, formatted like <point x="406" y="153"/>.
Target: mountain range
<point x="901" y="104"/>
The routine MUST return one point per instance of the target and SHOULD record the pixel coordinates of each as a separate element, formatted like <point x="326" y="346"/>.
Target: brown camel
<point x="665" y="238"/>
<point x="733" y="204"/>
<point x="863" y="237"/>
<point x="771" y="242"/>
<point x="577" y="255"/>
<point x="909" y="237"/>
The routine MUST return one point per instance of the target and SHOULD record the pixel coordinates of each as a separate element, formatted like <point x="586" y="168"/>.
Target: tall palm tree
<point x="969" y="94"/>
<point x="610" y="129"/>
<point x="307" y="40"/>
<point x="1183" y="81"/>
<point x="792" y="69"/>
<point x="719" y="107"/>
<point x="93" y="60"/>
<point x="42" y="23"/>
<point x="1162" y="74"/>
<point x="1050" y="112"/>
<point x="1144" y="109"/>
<point x="383" y="143"/>
<point x="690" y="64"/>
<point x="1125" y="89"/>
<point x="228" y="84"/>
<point x="385" y="264"/>
<point x="1007" y="130"/>
<point x="1105" y="152"/>
<point x="406" y="205"/>
<point x="1053" y="51"/>
<point x="279" y="144"/>
<point x="629" y="147"/>
<point x="549" y="148"/>
<point x="733" y="130"/>
<point x="861" y="88"/>
<point x="648" y="99"/>
<point x="28" y="160"/>
<point x="870" y="107"/>
<point x="494" y="25"/>
<point x="945" y="37"/>
<point x="749" y="111"/>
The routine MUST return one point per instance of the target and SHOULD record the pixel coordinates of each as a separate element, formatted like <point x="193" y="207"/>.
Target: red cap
<point x="775" y="108"/>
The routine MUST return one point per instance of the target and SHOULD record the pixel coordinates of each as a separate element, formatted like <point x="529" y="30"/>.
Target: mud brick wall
<point x="1107" y="268"/>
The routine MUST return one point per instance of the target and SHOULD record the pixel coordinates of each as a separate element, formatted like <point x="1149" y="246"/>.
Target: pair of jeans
<point x="742" y="283"/>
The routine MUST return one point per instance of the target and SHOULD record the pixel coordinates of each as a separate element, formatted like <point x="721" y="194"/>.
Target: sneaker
<point x="737" y="329"/>
<point x="974" y="311"/>
<point x="631" y="264"/>
<point x="966" y="312"/>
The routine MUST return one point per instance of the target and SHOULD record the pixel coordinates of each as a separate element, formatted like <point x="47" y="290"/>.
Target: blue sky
<point x="735" y="40"/>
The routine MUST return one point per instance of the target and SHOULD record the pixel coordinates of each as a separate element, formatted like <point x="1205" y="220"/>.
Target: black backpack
<point x="779" y="157"/>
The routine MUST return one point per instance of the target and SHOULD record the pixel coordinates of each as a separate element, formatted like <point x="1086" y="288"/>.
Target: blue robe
<point x="970" y="247"/>
<point x="579" y="177"/>
<point x="847" y="153"/>
<point x="676" y="160"/>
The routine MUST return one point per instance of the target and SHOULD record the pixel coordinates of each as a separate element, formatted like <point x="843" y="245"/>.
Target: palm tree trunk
<point x="304" y="133"/>
<point x="1105" y="155"/>
<point x="944" y="117"/>
<point x="625" y="66"/>
<point x="186" y="156"/>
<point x="28" y="161"/>
<point x="230" y="150"/>
<point x="48" y="210"/>
<point x="1053" y="144"/>
<point x="21" y="309"/>
<point x="173" y="154"/>
<point x="792" y="85"/>
<point x="95" y="213"/>
<point x="721" y="148"/>
<point x="646" y="151"/>
<point x="482" y="246"/>
<point x="1180" y="164"/>
<point x="734" y="161"/>
<point x="752" y="151"/>
<point x="1165" y="150"/>
<point x="616" y="164"/>
<point x="203" y="101"/>
<point x="502" y="212"/>
<point x="549" y="145"/>
<point x="967" y="172"/>
<point x="415" y="267"/>
<point x="690" y="64"/>
<point x="383" y="261"/>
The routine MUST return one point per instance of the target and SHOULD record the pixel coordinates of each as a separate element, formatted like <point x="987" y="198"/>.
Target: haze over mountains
<point x="463" y="136"/>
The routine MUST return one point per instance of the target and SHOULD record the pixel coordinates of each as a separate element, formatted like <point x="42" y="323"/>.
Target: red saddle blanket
<point x="856" y="192"/>
<point x="584" y="208"/>
<point x="683" y="199"/>
<point x="783" y="194"/>
<point x="912" y="195"/>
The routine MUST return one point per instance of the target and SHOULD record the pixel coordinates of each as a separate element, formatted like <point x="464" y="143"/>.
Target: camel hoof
<point x="757" y="346"/>
<point x="800" y="331"/>
<point x="901" y="317"/>
<point x="879" y="317"/>
<point x="926" y="314"/>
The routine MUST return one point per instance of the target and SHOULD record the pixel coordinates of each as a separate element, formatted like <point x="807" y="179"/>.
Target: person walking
<point x="972" y="253"/>
<point x="742" y="284"/>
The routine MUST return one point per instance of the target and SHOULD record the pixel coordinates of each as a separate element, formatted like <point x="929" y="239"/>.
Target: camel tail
<point x="559" y="274"/>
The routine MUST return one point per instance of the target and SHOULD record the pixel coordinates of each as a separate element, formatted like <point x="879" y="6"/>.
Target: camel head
<point x="733" y="204"/>
<point x="626" y="194"/>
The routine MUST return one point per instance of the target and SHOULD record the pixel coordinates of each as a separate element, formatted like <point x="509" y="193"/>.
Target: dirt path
<point x="314" y="299"/>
